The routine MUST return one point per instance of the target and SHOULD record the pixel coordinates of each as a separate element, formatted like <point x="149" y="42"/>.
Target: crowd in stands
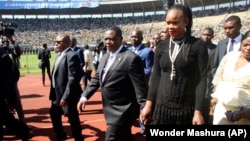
<point x="34" y="32"/>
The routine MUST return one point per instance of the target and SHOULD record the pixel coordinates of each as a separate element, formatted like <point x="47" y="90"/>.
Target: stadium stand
<point x="32" y="32"/>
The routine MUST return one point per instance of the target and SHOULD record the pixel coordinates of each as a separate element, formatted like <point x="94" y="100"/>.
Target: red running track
<point x="35" y="100"/>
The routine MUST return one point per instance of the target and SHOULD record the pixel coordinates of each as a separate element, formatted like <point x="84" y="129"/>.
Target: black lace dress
<point x="175" y="100"/>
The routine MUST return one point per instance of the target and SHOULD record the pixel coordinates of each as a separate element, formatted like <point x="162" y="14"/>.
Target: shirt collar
<point x="63" y="52"/>
<point x="137" y="47"/>
<point x="114" y="54"/>
<point x="236" y="39"/>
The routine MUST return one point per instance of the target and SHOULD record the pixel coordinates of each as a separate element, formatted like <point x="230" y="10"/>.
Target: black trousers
<point x="47" y="67"/>
<point x="19" y="127"/>
<point x="119" y="132"/>
<point x="56" y="113"/>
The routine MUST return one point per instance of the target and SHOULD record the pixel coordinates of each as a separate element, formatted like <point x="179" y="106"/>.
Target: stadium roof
<point x="113" y="7"/>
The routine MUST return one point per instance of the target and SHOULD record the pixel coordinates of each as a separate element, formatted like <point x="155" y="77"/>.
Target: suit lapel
<point x="116" y="62"/>
<point x="225" y="48"/>
<point x="59" y="62"/>
<point x="63" y="55"/>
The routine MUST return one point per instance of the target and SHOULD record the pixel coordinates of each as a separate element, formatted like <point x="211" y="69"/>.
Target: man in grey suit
<point x="121" y="77"/>
<point x="65" y="89"/>
<point x="232" y="26"/>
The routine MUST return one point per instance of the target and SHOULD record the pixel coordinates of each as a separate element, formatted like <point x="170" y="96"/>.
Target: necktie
<point x="108" y="64"/>
<point x="231" y="48"/>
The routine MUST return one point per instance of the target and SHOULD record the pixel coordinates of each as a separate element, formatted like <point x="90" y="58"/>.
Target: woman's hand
<point x="146" y="112"/>
<point x="198" y="118"/>
<point x="213" y="102"/>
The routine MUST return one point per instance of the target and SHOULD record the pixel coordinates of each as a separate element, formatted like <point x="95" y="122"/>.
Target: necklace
<point x="177" y="49"/>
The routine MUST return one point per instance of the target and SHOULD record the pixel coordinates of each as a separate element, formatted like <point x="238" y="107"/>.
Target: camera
<point x="7" y="29"/>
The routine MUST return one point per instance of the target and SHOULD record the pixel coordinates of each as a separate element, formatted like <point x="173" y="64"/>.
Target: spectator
<point x="88" y="57"/>
<point x="176" y="96"/>
<point x="103" y="50"/>
<point x="147" y="43"/>
<point x="65" y="89"/>
<point x="164" y="34"/>
<point x="232" y="87"/>
<point x="96" y="56"/>
<point x="156" y="40"/>
<point x="44" y="55"/>
<point x="121" y="77"/>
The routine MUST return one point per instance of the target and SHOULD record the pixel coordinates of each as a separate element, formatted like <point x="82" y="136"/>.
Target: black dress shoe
<point x="141" y="133"/>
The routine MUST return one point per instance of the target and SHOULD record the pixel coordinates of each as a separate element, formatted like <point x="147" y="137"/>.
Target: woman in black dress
<point x="178" y="80"/>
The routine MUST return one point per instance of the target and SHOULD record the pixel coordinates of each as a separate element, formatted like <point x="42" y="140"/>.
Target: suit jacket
<point x="147" y="56"/>
<point x="220" y="51"/>
<point x="67" y="76"/>
<point x="44" y="55"/>
<point x="211" y="52"/>
<point x="123" y="88"/>
<point x="79" y="53"/>
<point x="7" y="79"/>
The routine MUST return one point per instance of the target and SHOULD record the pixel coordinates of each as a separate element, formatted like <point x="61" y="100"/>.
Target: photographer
<point x="14" y="51"/>
<point x="8" y="99"/>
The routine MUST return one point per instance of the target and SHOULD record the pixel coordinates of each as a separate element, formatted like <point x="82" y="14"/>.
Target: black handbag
<point x="41" y="64"/>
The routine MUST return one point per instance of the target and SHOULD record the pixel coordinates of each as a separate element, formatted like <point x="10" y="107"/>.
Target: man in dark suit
<point x="232" y="26"/>
<point x="79" y="52"/>
<point x="147" y="57"/>
<point x="14" y="50"/>
<point x="8" y="98"/>
<point x="121" y="78"/>
<point x="44" y="55"/>
<point x="207" y="36"/>
<point x="65" y="89"/>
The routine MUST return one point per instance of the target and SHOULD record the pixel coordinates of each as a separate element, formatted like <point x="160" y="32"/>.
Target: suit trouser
<point x="119" y="132"/>
<point x="48" y="72"/>
<point x="56" y="113"/>
<point x="19" y="106"/>
<point x="8" y="119"/>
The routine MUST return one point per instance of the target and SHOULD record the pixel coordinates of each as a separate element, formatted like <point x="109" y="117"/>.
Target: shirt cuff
<point x="83" y="98"/>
